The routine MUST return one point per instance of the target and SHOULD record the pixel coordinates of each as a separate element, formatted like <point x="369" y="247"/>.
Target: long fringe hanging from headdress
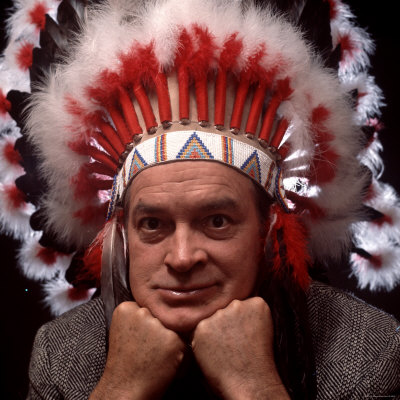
<point x="289" y="246"/>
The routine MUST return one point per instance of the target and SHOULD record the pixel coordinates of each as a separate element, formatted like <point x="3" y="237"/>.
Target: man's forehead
<point x="194" y="174"/>
<point x="210" y="184"/>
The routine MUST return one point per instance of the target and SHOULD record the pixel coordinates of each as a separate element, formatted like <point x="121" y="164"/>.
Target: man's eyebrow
<point x="144" y="208"/>
<point x="218" y="204"/>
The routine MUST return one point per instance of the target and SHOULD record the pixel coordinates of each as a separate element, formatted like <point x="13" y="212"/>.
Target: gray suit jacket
<point x="357" y="350"/>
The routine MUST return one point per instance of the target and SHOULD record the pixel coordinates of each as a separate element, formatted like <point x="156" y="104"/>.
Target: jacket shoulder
<point x="356" y="346"/>
<point x="69" y="353"/>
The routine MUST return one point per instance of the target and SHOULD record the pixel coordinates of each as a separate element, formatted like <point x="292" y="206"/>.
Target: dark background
<point x="21" y="310"/>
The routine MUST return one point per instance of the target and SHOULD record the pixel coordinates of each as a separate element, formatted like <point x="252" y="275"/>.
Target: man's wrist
<point x="267" y="386"/>
<point x="106" y="390"/>
<point x="273" y="392"/>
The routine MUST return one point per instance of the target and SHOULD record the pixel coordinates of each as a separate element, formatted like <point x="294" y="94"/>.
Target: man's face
<point x="194" y="240"/>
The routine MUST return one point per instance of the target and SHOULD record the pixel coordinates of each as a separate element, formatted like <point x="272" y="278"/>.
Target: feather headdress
<point x="123" y="85"/>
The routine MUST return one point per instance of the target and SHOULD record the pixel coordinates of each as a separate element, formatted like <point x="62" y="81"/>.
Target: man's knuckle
<point x="143" y="312"/>
<point x="170" y="336"/>
<point x="124" y="308"/>
<point x="235" y="304"/>
<point x="202" y="326"/>
<point x="259" y="301"/>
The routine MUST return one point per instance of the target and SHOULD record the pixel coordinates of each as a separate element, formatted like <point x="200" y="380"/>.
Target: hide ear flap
<point x="114" y="267"/>
<point x="290" y="256"/>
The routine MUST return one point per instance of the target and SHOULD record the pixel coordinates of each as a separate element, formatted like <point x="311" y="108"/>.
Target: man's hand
<point x="234" y="348"/>
<point x="143" y="356"/>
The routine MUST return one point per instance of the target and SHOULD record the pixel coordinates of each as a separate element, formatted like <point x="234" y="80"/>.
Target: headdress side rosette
<point x="168" y="83"/>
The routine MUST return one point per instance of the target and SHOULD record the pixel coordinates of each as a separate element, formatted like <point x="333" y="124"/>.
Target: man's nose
<point x="185" y="249"/>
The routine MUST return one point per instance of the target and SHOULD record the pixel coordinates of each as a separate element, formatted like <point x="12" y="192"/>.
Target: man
<point x="194" y="234"/>
<point x="228" y="159"/>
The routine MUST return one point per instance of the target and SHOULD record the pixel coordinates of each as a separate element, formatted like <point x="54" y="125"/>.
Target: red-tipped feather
<point x="78" y="293"/>
<point x="230" y="52"/>
<point x="385" y="219"/>
<point x="91" y="270"/>
<point x="86" y="185"/>
<point x="112" y="137"/>
<point x="256" y="108"/>
<point x="129" y="112"/>
<point x="24" y="56"/>
<point x="333" y="11"/>
<point x="98" y="168"/>
<point x="323" y="168"/>
<point x="91" y="213"/>
<point x="37" y="15"/>
<point x="47" y="255"/>
<point x="290" y="246"/>
<point x="106" y="88"/>
<point x="16" y="197"/>
<point x="319" y="115"/>
<point x="145" y="106"/>
<point x="11" y="155"/>
<point x="305" y="204"/>
<point x="5" y="105"/>
<point x="279" y="133"/>
<point x="80" y="147"/>
<point x="283" y="89"/>
<point x="204" y="54"/>
<point x="240" y="100"/>
<point x="346" y="45"/>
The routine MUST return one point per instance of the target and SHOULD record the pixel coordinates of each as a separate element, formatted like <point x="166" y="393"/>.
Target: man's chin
<point x="182" y="326"/>
<point x="183" y="321"/>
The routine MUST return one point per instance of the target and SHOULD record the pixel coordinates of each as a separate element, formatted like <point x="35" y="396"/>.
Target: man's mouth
<point x="193" y="293"/>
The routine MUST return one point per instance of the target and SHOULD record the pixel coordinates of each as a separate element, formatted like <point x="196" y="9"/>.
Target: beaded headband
<point x="170" y="146"/>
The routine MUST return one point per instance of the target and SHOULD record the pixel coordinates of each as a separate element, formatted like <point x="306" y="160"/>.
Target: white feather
<point x="9" y="171"/>
<point x="33" y="267"/>
<point x="57" y="296"/>
<point x="385" y="277"/>
<point x="14" y="221"/>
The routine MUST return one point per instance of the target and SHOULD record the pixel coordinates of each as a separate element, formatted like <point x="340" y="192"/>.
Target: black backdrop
<point x="21" y="310"/>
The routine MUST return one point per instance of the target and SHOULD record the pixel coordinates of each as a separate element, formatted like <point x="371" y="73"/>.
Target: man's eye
<point x="150" y="224"/>
<point x="218" y="221"/>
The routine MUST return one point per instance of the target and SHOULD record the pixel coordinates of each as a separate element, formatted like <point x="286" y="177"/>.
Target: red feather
<point x="305" y="204"/>
<point x="24" y="56"/>
<point x="91" y="270"/>
<point x="106" y="88"/>
<point x="293" y="241"/>
<point x="283" y="89"/>
<point x="86" y="185"/>
<point x="204" y="53"/>
<point x="37" y="15"/>
<point x="47" y="255"/>
<point x="323" y="166"/>
<point x="5" y="105"/>
<point x="319" y="115"/>
<point x="11" y="155"/>
<point x="92" y="213"/>
<point x="16" y="197"/>
<point x="333" y="11"/>
<point x="230" y="52"/>
<point x="77" y="293"/>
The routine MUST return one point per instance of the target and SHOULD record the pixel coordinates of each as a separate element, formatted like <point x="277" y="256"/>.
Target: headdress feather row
<point x="124" y="85"/>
